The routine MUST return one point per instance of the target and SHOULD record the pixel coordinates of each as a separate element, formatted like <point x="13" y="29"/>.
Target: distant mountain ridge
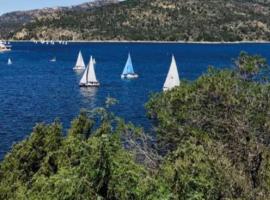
<point x="12" y="22"/>
<point x="155" y="20"/>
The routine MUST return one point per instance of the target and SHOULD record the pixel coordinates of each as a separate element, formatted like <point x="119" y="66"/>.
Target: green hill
<point x="172" y="20"/>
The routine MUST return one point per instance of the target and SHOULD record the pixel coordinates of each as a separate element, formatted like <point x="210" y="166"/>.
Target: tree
<point x="230" y="110"/>
<point x="249" y="66"/>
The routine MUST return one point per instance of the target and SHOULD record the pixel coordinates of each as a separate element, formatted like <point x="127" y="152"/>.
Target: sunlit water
<point x="34" y="89"/>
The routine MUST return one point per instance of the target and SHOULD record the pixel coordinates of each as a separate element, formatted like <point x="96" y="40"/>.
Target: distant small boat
<point x="128" y="72"/>
<point x="9" y="62"/>
<point x="53" y="59"/>
<point x="80" y="63"/>
<point x="4" y="47"/>
<point x="172" y="79"/>
<point x="89" y="77"/>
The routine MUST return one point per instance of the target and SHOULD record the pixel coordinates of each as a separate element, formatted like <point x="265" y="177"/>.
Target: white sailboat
<point x="172" y="79"/>
<point x="128" y="72"/>
<point x="9" y="62"/>
<point x="80" y="63"/>
<point x="89" y="77"/>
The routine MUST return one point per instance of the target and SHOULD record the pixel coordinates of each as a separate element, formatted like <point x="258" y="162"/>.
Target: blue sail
<point x="129" y="67"/>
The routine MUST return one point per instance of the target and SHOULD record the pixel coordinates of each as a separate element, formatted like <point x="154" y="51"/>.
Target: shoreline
<point x="157" y="42"/>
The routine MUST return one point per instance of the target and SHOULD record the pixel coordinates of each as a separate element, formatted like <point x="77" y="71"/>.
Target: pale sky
<point x="13" y="5"/>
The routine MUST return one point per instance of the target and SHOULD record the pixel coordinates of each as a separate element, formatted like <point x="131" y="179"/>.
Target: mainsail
<point x="128" y="67"/>
<point x="172" y="79"/>
<point x="91" y="76"/>
<point x="80" y="63"/>
<point x="84" y="78"/>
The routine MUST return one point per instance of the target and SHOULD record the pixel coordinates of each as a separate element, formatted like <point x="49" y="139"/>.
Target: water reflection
<point x="89" y="96"/>
<point x="79" y="72"/>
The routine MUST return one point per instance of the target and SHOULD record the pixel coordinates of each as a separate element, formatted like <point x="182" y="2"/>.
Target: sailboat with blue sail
<point x="128" y="72"/>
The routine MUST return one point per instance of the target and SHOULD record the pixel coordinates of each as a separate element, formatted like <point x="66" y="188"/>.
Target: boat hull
<point x="78" y="68"/>
<point x="129" y="76"/>
<point x="4" y="50"/>
<point x="90" y="84"/>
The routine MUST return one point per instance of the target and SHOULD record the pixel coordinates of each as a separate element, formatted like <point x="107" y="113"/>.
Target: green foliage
<point x="228" y="110"/>
<point x="86" y="164"/>
<point x="28" y="158"/>
<point x="81" y="127"/>
<point x="249" y="66"/>
<point x="198" y="169"/>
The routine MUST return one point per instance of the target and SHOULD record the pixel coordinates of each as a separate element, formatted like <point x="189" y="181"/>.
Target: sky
<point x="14" y="5"/>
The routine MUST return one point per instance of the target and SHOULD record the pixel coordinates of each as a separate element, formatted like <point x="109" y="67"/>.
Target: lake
<point x="34" y="89"/>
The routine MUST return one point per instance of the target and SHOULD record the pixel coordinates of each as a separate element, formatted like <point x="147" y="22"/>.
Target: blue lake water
<point x="34" y="89"/>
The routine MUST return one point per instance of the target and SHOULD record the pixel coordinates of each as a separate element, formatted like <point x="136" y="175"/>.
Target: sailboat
<point x="53" y="59"/>
<point x="3" y="47"/>
<point x="128" y="72"/>
<point x="80" y="63"/>
<point x="9" y="62"/>
<point x="89" y="77"/>
<point x="172" y="79"/>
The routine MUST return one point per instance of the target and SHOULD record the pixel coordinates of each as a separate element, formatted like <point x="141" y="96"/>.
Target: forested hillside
<point x="212" y="143"/>
<point x="170" y="20"/>
<point x="13" y="22"/>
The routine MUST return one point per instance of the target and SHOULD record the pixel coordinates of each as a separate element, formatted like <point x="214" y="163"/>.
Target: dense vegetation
<point x="169" y="20"/>
<point x="213" y="139"/>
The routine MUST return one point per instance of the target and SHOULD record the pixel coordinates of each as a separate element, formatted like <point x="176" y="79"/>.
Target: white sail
<point x="9" y="62"/>
<point x="91" y="76"/>
<point x="84" y="77"/>
<point x="172" y="79"/>
<point x="80" y="63"/>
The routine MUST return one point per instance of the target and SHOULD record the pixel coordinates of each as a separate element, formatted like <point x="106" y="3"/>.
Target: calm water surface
<point x="35" y="90"/>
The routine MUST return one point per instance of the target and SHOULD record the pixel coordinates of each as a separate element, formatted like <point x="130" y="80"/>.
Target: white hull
<point x="78" y="68"/>
<point x="129" y="76"/>
<point x="4" y="50"/>
<point x="90" y="84"/>
<point x="4" y="47"/>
